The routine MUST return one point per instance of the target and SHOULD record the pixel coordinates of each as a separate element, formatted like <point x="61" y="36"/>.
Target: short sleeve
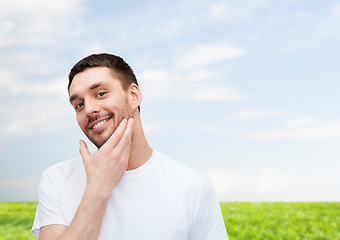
<point x="49" y="205"/>
<point x="209" y="223"/>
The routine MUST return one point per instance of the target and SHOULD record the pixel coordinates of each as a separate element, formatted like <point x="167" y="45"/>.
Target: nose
<point x="91" y="108"/>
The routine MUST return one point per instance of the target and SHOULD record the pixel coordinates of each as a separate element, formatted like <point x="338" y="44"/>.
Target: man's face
<point x="100" y="103"/>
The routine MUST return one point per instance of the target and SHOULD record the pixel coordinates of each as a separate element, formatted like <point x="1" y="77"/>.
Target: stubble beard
<point x="100" y="137"/>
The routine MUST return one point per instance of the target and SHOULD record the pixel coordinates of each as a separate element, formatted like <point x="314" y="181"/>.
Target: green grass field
<point x="291" y="221"/>
<point x="244" y="220"/>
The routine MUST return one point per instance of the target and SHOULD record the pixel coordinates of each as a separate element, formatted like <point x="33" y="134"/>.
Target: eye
<point x="101" y="94"/>
<point x="79" y="105"/>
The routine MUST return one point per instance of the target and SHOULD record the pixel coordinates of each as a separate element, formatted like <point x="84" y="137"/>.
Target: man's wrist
<point x="94" y="195"/>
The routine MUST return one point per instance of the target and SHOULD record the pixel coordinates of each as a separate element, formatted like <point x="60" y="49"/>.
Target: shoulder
<point x="183" y="174"/>
<point x="64" y="169"/>
<point x="181" y="168"/>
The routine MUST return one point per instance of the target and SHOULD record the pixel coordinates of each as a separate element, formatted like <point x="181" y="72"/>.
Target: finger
<point x="115" y="137"/>
<point x="126" y="138"/>
<point x="84" y="151"/>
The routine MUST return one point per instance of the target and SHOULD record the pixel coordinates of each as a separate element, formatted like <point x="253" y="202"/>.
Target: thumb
<point x="84" y="151"/>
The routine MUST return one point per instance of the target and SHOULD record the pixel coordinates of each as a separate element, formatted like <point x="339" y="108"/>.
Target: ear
<point x="135" y="96"/>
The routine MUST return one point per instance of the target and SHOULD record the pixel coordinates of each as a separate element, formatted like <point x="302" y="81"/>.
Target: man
<point x="126" y="190"/>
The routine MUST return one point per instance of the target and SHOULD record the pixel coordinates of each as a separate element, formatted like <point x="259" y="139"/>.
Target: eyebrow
<point x="92" y="87"/>
<point x="96" y="85"/>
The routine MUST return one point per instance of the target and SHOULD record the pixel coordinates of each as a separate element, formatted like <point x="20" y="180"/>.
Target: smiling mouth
<point x="98" y="126"/>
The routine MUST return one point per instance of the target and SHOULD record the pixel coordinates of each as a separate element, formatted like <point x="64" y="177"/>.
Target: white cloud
<point x="156" y="84"/>
<point x="313" y="28"/>
<point x="150" y="128"/>
<point x="206" y="54"/>
<point x="189" y="85"/>
<point x="272" y="185"/>
<point x="154" y="23"/>
<point x="236" y="11"/>
<point x="329" y="26"/>
<point x="200" y="75"/>
<point x="35" y="21"/>
<point x="22" y="188"/>
<point x="6" y="79"/>
<point x="256" y="114"/>
<point x="94" y="46"/>
<point x="30" y="117"/>
<point x="330" y="130"/>
<point x="11" y="84"/>
<point x="187" y="74"/>
<point x="216" y="93"/>
<point x="32" y="107"/>
<point x="300" y="122"/>
<point x="203" y="128"/>
<point x="31" y="181"/>
<point x="335" y="10"/>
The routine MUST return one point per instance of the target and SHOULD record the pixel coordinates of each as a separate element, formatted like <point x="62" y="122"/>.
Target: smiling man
<point x="126" y="190"/>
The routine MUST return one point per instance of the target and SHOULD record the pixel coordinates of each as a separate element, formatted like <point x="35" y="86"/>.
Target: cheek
<point x="81" y="120"/>
<point x="110" y="105"/>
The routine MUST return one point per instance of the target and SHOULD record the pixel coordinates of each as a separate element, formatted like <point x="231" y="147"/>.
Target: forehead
<point x="84" y="80"/>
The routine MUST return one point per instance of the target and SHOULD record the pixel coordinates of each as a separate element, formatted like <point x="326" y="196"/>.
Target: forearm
<point x="104" y="170"/>
<point x="88" y="218"/>
<point x="86" y="223"/>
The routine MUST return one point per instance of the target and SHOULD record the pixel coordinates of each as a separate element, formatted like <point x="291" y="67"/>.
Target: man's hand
<point x="105" y="168"/>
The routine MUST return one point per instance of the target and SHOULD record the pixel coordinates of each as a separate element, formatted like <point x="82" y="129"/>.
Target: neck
<point x="140" y="151"/>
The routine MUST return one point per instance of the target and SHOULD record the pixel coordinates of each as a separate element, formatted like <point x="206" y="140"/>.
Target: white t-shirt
<point x="163" y="199"/>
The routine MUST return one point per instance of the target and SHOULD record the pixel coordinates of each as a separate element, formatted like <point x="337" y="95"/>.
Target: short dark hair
<point x="116" y="63"/>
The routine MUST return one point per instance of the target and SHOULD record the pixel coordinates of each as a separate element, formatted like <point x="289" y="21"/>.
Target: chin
<point x="99" y="141"/>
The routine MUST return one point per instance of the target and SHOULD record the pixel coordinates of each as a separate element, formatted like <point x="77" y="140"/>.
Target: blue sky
<point x="245" y="91"/>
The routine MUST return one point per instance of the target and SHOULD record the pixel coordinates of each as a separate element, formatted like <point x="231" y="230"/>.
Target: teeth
<point x="99" y="124"/>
